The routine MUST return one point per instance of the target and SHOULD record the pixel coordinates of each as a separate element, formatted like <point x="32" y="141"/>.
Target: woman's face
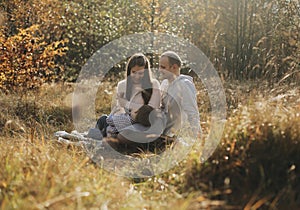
<point x="137" y="73"/>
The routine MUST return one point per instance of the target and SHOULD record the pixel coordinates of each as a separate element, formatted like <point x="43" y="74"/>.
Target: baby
<point x="119" y="121"/>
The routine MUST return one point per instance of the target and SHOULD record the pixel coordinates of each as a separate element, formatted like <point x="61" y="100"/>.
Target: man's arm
<point x="190" y="106"/>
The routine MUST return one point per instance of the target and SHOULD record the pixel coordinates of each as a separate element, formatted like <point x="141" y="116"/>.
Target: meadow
<point x="254" y="46"/>
<point x="255" y="166"/>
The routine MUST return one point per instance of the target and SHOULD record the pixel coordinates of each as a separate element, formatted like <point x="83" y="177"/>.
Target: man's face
<point x="165" y="68"/>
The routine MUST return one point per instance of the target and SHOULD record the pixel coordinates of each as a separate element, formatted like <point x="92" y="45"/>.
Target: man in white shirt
<point x="179" y="100"/>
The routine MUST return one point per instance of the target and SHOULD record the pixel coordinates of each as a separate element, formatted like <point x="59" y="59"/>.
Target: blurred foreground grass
<point x="256" y="164"/>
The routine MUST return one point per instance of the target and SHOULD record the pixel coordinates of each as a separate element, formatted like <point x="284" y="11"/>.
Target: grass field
<point x="256" y="165"/>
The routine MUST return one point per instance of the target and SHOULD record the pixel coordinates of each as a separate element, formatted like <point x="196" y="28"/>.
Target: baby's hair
<point x="142" y="115"/>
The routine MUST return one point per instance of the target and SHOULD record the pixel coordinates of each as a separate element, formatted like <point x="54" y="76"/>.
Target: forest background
<point x="254" y="46"/>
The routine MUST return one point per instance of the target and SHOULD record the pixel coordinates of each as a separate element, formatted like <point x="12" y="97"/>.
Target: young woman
<point x="138" y="89"/>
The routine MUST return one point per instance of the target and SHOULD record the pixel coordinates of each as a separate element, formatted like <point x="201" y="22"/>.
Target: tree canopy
<point x="256" y="39"/>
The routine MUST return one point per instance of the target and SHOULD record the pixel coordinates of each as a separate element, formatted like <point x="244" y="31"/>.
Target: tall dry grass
<point x="39" y="173"/>
<point x="255" y="166"/>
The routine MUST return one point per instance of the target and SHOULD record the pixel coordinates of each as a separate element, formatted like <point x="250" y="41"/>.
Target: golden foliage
<point x="27" y="61"/>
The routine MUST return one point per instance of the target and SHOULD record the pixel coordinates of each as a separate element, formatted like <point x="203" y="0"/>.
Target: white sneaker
<point x="68" y="142"/>
<point x="69" y="136"/>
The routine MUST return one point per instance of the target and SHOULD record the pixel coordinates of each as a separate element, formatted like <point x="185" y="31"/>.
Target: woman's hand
<point x="123" y="102"/>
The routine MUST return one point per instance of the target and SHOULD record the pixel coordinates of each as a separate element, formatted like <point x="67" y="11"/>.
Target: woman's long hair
<point x="139" y="59"/>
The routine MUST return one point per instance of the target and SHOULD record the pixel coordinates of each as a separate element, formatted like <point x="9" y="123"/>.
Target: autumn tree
<point x="249" y="39"/>
<point x="30" y="45"/>
<point x="244" y="39"/>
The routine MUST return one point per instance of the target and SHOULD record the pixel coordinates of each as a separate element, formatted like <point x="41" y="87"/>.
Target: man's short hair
<point x="173" y="58"/>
